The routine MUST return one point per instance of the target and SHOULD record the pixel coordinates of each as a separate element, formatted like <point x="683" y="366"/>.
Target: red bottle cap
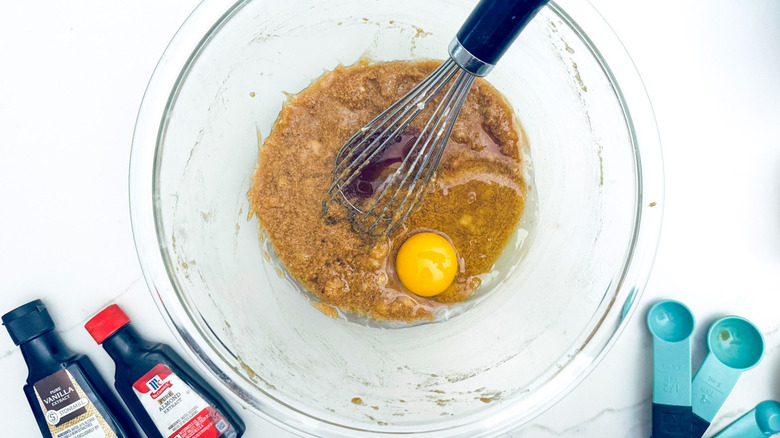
<point x="105" y="323"/>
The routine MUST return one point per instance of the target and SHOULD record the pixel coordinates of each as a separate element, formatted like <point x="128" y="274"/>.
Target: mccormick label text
<point x="158" y="386"/>
<point x="176" y="409"/>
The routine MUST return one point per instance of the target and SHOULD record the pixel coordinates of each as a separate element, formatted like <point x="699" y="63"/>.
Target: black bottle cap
<point x="28" y="321"/>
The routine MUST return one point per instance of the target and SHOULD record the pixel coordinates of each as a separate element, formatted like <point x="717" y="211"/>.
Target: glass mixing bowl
<point x="567" y="283"/>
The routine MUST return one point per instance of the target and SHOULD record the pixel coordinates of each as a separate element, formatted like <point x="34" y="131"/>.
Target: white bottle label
<point x="175" y="408"/>
<point x="88" y="428"/>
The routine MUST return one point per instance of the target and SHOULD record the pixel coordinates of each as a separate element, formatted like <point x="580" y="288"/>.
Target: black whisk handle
<point x="491" y="28"/>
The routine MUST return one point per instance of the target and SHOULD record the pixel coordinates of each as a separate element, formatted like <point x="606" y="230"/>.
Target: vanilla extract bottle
<point x="165" y="395"/>
<point x="65" y="391"/>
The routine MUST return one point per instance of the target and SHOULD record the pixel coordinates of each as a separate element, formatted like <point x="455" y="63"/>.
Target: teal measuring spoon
<point x="763" y="421"/>
<point x="735" y="346"/>
<point x="671" y="324"/>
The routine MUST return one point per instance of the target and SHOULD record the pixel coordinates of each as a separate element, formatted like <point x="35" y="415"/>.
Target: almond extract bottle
<point x="67" y="395"/>
<point x="167" y="396"/>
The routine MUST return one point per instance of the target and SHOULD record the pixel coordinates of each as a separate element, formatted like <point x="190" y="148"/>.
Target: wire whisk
<point x="380" y="207"/>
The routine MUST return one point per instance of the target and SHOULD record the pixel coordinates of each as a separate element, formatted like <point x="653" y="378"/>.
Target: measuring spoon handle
<point x="698" y="426"/>
<point x="761" y="422"/>
<point x="710" y="387"/>
<point x="671" y="421"/>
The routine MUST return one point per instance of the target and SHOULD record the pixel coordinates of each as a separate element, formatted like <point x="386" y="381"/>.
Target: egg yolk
<point x="426" y="264"/>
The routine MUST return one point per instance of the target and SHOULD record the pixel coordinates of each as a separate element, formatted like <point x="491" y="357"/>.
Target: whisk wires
<point x="401" y="192"/>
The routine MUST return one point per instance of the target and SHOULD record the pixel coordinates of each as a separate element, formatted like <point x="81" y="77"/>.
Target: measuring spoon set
<point x="683" y="407"/>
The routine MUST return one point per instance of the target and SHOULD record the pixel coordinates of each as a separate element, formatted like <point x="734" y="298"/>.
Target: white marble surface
<point x="72" y="74"/>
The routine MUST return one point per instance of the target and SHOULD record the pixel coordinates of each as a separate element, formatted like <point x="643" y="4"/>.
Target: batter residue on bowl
<point x="476" y="200"/>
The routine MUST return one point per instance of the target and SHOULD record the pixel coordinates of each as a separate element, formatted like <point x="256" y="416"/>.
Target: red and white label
<point x="176" y="409"/>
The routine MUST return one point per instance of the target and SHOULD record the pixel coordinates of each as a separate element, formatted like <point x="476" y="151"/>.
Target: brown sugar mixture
<point x="475" y="201"/>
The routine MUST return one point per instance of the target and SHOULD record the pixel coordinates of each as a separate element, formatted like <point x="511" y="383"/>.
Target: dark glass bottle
<point x="65" y="391"/>
<point x="167" y="397"/>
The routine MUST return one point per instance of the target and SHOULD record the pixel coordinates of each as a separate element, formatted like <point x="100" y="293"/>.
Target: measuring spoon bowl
<point x="670" y="321"/>
<point x="768" y="417"/>
<point x="736" y="342"/>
